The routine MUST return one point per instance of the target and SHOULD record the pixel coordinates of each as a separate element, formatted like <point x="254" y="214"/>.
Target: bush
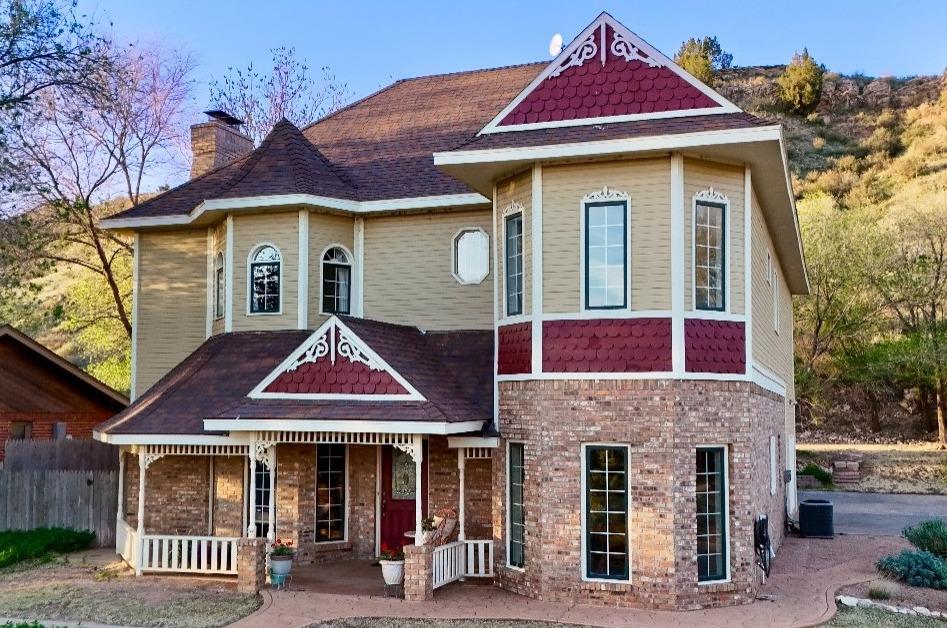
<point x="918" y="569"/>
<point x="26" y="624"/>
<point x="929" y="536"/>
<point x="800" y="85"/>
<point x="818" y="473"/>
<point x="19" y="545"/>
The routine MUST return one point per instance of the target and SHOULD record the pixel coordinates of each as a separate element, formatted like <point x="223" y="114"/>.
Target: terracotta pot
<point x="392" y="571"/>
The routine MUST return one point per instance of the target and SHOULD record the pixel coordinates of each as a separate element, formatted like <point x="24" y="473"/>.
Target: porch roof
<point x="452" y="370"/>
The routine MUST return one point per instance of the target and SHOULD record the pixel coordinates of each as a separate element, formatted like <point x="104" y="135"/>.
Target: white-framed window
<point x="713" y="513"/>
<point x="513" y="263"/>
<point x="776" y="303"/>
<point x="330" y="493"/>
<point x="773" y="465"/>
<point x="606" y="543"/>
<point x="264" y="493"/>
<point x="606" y="254"/>
<point x="710" y="229"/>
<point x="769" y="267"/>
<point x="515" y="509"/>
<point x="219" y="286"/>
<point x="336" y="281"/>
<point x="470" y="254"/>
<point x="264" y="278"/>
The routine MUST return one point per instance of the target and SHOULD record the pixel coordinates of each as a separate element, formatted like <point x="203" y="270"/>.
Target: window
<point x="605" y="512"/>
<point x="264" y="493"/>
<point x="330" y="493"/>
<point x="711" y="514"/>
<point x="471" y="254"/>
<point x="514" y="265"/>
<point x="606" y="248"/>
<point x="336" y="281"/>
<point x="776" y="302"/>
<point x="219" y="285"/>
<point x="517" y="517"/>
<point x="773" y="466"/>
<point x="21" y="430"/>
<point x="769" y="268"/>
<point x="265" y="280"/>
<point x="709" y="251"/>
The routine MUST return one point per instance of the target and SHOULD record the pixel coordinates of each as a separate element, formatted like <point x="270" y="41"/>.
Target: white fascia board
<point x="607" y="147"/>
<point x="317" y="425"/>
<point x="456" y="442"/>
<point x="168" y="439"/>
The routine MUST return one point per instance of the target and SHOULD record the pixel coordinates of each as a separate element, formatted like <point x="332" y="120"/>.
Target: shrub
<point x="19" y="545"/>
<point x="929" y="536"/>
<point x="882" y="590"/>
<point x="918" y="569"/>
<point x="818" y="473"/>
<point x="800" y="85"/>
<point x="703" y="57"/>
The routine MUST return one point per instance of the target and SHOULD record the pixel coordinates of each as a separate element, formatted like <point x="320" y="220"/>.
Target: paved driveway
<point x="875" y="513"/>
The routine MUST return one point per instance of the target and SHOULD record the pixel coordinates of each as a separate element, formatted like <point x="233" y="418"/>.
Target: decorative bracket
<point x="335" y="342"/>
<point x="583" y="53"/>
<point x="605" y="195"/>
<point x="711" y="195"/>
<point x="262" y="451"/>
<point x="624" y="48"/>
<point x="149" y="458"/>
<point x="412" y="449"/>
<point x="513" y="208"/>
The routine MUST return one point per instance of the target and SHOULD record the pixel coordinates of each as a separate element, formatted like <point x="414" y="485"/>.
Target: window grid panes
<point x="219" y="286"/>
<point x="336" y="282"/>
<point x="265" y="281"/>
<point x="606" y="513"/>
<point x="709" y="230"/>
<point x="711" y="512"/>
<point x="517" y="512"/>
<point x="514" y="265"/>
<point x="261" y="514"/>
<point x="606" y="241"/>
<point x="330" y="492"/>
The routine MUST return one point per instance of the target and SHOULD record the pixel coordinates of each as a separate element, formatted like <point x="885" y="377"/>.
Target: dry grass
<point x="885" y="468"/>
<point x="875" y="618"/>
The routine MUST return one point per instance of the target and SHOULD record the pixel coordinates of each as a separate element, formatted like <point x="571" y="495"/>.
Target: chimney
<point x="217" y="142"/>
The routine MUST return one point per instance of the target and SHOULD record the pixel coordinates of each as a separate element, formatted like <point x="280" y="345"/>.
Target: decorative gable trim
<point x="591" y="46"/>
<point x="334" y="341"/>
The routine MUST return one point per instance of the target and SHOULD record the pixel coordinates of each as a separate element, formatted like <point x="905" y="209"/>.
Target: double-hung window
<point x="709" y="254"/>
<point x="514" y="264"/>
<point x="605" y="515"/>
<point x="265" y="273"/>
<point x="330" y="493"/>
<point x="711" y="491"/>
<point x="264" y="493"/>
<point x="606" y="255"/>
<point x="517" y="514"/>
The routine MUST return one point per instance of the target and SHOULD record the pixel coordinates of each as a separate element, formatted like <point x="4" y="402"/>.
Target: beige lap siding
<point x="728" y="180"/>
<point x="326" y="230"/>
<point x="516" y="189"/>
<point x="408" y="276"/>
<point x="648" y="184"/>
<point x="250" y="231"/>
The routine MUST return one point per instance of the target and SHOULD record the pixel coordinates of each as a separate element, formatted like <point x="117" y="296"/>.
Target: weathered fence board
<point x="84" y="500"/>
<point x="60" y="455"/>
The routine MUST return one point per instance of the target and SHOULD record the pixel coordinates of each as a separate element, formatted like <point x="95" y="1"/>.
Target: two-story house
<point x="554" y="298"/>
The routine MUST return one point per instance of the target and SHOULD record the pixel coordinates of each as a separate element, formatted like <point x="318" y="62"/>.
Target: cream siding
<point x="728" y="180"/>
<point x="408" y="276"/>
<point x="249" y="232"/>
<point x="218" y="246"/>
<point x="516" y="189"/>
<point x="172" y="301"/>
<point x="648" y="184"/>
<point x="324" y="231"/>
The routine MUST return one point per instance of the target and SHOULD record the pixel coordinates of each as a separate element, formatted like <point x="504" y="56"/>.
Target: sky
<point x="370" y="44"/>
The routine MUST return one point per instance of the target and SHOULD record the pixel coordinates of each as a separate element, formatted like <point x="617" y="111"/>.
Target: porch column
<point x="271" y="519"/>
<point x="418" y="484"/>
<point x="119" y="515"/>
<point x="142" y="471"/>
<point x="461" y="462"/>
<point x="251" y="523"/>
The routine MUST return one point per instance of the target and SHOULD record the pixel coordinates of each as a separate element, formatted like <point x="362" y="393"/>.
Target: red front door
<point x="398" y="494"/>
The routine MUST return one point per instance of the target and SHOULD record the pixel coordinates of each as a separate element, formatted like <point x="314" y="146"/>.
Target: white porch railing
<point x="190" y="554"/>
<point x="126" y="540"/>
<point x="460" y="559"/>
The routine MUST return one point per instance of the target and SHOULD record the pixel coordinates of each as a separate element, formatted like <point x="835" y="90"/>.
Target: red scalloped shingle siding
<point x="342" y="378"/>
<point x="515" y="350"/>
<point x="618" y="88"/>
<point x="714" y="346"/>
<point x="634" y="345"/>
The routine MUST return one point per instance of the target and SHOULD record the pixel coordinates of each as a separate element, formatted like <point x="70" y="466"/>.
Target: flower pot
<point x="426" y="536"/>
<point x="392" y="571"/>
<point x="281" y="565"/>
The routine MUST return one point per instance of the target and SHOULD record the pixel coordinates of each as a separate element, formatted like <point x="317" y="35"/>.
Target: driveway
<point x="877" y="513"/>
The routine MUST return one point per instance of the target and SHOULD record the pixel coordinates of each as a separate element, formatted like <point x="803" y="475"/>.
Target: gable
<point x="608" y="74"/>
<point x="335" y="364"/>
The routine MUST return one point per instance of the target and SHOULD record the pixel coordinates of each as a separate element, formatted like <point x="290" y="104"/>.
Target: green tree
<point x="702" y="58"/>
<point x="800" y="85"/>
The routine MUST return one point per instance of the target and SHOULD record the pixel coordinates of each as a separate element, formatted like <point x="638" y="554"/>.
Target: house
<point x="553" y="297"/>
<point x="43" y="396"/>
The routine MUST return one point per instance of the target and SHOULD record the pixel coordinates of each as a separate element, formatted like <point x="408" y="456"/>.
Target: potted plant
<point x="427" y="530"/>
<point x="392" y="564"/>
<point x="281" y="558"/>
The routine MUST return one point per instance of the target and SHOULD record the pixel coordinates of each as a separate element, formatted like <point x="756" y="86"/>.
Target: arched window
<point x="265" y="271"/>
<point x="219" y="286"/>
<point x="336" y="281"/>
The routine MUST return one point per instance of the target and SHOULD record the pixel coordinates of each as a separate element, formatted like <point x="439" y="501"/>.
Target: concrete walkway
<point x="801" y="591"/>
<point x="876" y="513"/>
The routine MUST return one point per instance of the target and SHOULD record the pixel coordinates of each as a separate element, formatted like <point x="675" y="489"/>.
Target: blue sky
<point x="369" y="44"/>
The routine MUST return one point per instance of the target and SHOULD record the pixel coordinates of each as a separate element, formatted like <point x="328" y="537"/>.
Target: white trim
<point x="536" y="272"/>
<point x="346" y="492"/>
<point x="777" y="299"/>
<point x="677" y="264"/>
<point x="378" y="471"/>
<point x="748" y="267"/>
<point x="510" y="211"/>
<point x="605" y="314"/>
<point x="583" y="470"/>
<point x="496" y="305"/>
<point x="229" y="277"/>
<point x="712" y="197"/>
<point x="649" y="375"/>
<point x="302" y="289"/>
<point x="282" y="262"/>
<point x="515" y="320"/>
<point x="457" y="442"/>
<point x="773" y="465"/>
<point x="295" y="200"/>
<point x="726" y="518"/>
<point x="210" y="495"/>
<point x="453" y="256"/>
<point x="169" y="439"/>
<point x="506" y="506"/>
<point x="351" y="262"/>
<point x="211" y="287"/>
<point x="599" y="196"/>
<point x="768" y="380"/>
<point x="570" y="54"/>
<point x="334" y="327"/>
<point x="358" y="285"/>
<point x="714" y="315"/>
<point x="136" y="297"/>
<point x="439" y="428"/>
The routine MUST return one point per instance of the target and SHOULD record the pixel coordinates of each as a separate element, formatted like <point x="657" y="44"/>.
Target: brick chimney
<point x="217" y="142"/>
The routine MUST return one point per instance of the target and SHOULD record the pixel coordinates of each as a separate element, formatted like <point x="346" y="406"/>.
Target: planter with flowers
<point x="281" y="558"/>
<point x="427" y="530"/>
<point x="392" y="564"/>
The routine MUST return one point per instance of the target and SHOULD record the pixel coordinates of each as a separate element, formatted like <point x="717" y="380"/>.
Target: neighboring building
<point x="554" y="296"/>
<point x="42" y="395"/>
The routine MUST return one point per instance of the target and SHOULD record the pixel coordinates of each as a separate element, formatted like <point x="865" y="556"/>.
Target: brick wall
<point x="176" y="495"/>
<point x="229" y="495"/>
<point x="78" y="425"/>
<point x="663" y="422"/>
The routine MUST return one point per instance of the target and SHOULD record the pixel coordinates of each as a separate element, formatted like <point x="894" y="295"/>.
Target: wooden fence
<point x="60" y="455"/>
<point x="83" y="500"/>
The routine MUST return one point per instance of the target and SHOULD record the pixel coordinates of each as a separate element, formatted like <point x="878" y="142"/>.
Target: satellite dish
<point x="555" y="45"/>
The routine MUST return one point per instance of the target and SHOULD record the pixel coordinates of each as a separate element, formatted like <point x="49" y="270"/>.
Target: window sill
<point x="606" y="580"/>
<point x="280" y="313"/>
<point x="711" y="583"/>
